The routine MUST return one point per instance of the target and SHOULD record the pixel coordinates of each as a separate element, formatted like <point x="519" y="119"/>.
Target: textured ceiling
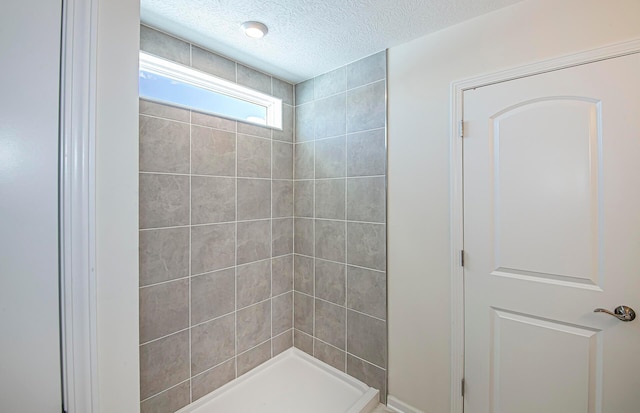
<point x="308" y="37"/>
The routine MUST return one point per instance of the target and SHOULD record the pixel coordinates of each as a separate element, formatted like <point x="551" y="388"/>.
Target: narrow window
<point x="163" y="81"/>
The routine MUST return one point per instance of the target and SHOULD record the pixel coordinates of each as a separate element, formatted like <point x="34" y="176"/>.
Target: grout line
<point x="235" y="274"/>
<point x="346" y="216"/>
<point x="161" y="228"/>
<point x="366" y="361"/>
<point x="339" y="305"/>
<point x="343" y="263"/>
<point x="207" y="176"/>
<point x="186" y="277"/>
<point x="322" y="179"/>
<point x="190" y="222"/>
<point x="313" y="235"/>
<point x="166" y="390"/>
<point x="271" y="240"/>
<point x="168" y="335"/>
<point x="338" y="220"/>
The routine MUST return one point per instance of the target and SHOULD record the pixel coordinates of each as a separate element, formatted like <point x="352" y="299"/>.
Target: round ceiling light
<point x="254" y="30"/>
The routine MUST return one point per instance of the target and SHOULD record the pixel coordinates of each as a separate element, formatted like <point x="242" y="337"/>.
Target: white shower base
<point x="292" y="382"/>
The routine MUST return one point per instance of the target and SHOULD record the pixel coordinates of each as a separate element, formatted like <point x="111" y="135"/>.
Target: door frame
<point x="456" y="183"/>
<point x="77" y="230"/>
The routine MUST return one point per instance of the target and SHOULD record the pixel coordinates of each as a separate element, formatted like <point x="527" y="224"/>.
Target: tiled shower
<point x="253" y="240"/>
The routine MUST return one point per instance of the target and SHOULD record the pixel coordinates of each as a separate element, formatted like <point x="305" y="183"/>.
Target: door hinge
<point x="462" y="388"/>
<point x="462" y="258"/>
<point x="461" y="129"/>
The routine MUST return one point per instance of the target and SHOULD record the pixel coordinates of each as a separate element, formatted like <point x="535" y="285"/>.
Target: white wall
<point x="29" y="322"/>
<point x="117" y="205"/>
<point x="420" y="74"/>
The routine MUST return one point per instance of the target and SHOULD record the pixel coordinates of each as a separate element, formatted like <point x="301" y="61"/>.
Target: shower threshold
<point x="292" y="382"/>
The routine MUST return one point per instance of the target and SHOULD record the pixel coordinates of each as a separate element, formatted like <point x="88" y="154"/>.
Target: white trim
<point x="456" y="199"/>
<point x="77" y="206"/>
<point x="399" y="406"/>
<point x="188" y="75"/>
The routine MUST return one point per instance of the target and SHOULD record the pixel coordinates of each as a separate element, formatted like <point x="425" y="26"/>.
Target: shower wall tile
<point x="214" y="122"/>
<point x="366" y="199"/>
<point x="303" y="198"/>
<point x="282" y="342"/>
<point x="164" y="200"/>
<point x="330" y="198"/>
<point x="164" y="309"/>
<point x="330" y="83"/>
<point x="330" y="323"/>
<point x="367" y="70"/>
<point x="304" y="161"/>
<point x="304" y="92"/>
<point x="367" y="245"/>
<point x="282" y="198"/>
<point x="366" y="153"/>
<point x="212" y="193"/>
<point x="330" y="240"/>
<point x="210" y="380"/>
<point x="212" y="247"/>
<point x="303" y="236"/>
<point x="366" y="108"/>
<point x="254" y="198"/>
<point x="254" y="157"/>
<point x="168" y="401"/>
<point x="254" y="283"/>
<point x="283" y="90"/>
<point x="330" y="281"/>
<point x="303" y="312"/>
<point x="372" y="375"/>
<point x="281" y="275"/>
<point x="303" y="270"/>
<point x="286" y="134"/>
<point x="305" y="122"/>
<point x="367" y="338"/>
<point x="212" y="199"/>
<point x="164" y="145"/>
<point x="254" y="241"/>
<point x="163" y="45"/>
<point x="254" y="357"/>
<point x="282" y="160"/>
<point x="330" y="116"/>
<point x="329" y="354"/>
<point x="164" y="255"/>
<point x="163" y="111"/>
<point x="213" y="64"/>
<point x="282" y="314"/>
<point x="254" y="79"/>
<point x="303" y="341"/>
<point x="282" y="235"/>
<point x="367" y="291"/>
<point x="340" y="240"/>
<point x="213" y="295"/>
<point x="254" y="130"/>
<point x="213" y="152"/>
<point x="254" y="325"/>
<point x="212" y="343"/>
<point x="163" y="364"/>
<point x="330" y="158"/>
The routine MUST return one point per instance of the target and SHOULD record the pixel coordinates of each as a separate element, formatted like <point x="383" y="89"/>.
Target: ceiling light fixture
<point x="254" y="30"/>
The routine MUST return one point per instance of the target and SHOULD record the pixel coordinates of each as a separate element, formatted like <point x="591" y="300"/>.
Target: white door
<point x="29" y="310"/>
<point x="551" y="232"/>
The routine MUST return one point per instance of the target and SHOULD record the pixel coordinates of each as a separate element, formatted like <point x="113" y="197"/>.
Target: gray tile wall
<point x="340" y="219"/>
<point x="216" y="238"/>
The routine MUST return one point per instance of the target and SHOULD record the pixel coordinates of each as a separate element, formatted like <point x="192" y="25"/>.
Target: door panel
<point x="552" y="231"/>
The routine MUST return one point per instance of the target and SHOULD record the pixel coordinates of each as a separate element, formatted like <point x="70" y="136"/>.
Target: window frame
<point x="196" y="78"/>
